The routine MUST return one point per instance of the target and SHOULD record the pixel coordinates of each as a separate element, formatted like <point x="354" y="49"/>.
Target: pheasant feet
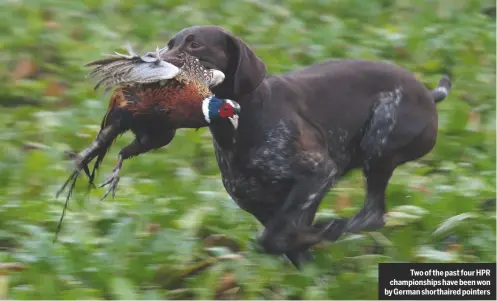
<point x="113" y="180"/>
<point x="78" y="161"/>
<point x="74" y="156"/>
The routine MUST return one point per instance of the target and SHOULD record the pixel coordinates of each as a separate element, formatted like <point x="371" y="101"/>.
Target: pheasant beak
<point x="234" y="121"/>
<point x="217" y="77"/>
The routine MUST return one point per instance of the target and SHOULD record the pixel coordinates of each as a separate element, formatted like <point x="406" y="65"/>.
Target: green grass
<point x="172" y="231"/>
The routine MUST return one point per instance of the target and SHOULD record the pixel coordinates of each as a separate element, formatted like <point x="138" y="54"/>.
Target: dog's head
<point x="218" y="49"/>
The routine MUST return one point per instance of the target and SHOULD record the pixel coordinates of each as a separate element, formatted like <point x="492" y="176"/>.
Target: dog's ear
<point x="246" y="69"/>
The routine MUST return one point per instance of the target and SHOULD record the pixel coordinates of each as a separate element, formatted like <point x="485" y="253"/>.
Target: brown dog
<point x="301" y="131"/>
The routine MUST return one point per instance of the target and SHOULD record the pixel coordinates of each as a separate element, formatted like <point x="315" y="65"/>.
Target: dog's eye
<point x="194" y="45"/>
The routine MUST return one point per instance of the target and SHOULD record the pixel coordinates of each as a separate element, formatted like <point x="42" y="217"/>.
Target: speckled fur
<point x="382" y="123"/>
<point x="275" y="155"/>
<point x="248" y="190"/>
<point x="270" y="169"/>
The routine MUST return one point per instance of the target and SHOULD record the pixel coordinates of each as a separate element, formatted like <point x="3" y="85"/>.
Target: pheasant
<point x="153" y="99"/>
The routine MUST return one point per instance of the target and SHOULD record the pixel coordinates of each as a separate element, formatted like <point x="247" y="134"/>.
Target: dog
<point x="301" y="131"/>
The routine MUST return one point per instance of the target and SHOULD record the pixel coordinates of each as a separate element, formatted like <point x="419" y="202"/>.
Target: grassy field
<point x="172" y="231"/>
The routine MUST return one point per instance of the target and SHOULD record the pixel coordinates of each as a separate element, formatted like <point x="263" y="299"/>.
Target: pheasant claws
<point x="112" y="181"/>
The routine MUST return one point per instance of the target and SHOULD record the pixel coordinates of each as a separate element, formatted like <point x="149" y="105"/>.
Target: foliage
<point x="172" y="231"/>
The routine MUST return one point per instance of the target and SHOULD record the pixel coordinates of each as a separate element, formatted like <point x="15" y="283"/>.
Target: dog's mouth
<point x="176" y="61"/>
<point x="171" y="58"/>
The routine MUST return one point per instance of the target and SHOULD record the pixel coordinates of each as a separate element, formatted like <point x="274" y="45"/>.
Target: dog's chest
<point x="273" y="157"/>
<point x="260" y="175"/>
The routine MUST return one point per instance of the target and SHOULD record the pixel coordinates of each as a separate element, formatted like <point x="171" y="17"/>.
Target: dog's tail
<point x="442" y="90"/>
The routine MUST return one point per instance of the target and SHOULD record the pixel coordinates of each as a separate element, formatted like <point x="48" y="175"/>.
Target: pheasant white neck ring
<point x="215" y="109"/>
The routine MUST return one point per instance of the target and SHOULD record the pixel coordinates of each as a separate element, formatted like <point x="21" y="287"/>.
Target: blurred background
<point x="172" y="232"/>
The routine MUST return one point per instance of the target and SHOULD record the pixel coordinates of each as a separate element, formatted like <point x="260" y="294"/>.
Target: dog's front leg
<point x="290" y="229"/>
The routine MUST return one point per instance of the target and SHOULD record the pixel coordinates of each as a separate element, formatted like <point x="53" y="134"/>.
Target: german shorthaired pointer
<point x="300" y="132"/>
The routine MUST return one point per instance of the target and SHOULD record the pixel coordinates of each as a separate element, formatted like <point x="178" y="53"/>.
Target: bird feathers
<point x="131" y="69"/>
<point x="121" y="69"/>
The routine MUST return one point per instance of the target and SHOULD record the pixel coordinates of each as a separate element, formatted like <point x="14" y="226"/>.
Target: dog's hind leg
<point x="388" y="142"/>
<point x="378" y="162"/>
<point x="371" y="216"/>
<point x="378" y="171"/>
